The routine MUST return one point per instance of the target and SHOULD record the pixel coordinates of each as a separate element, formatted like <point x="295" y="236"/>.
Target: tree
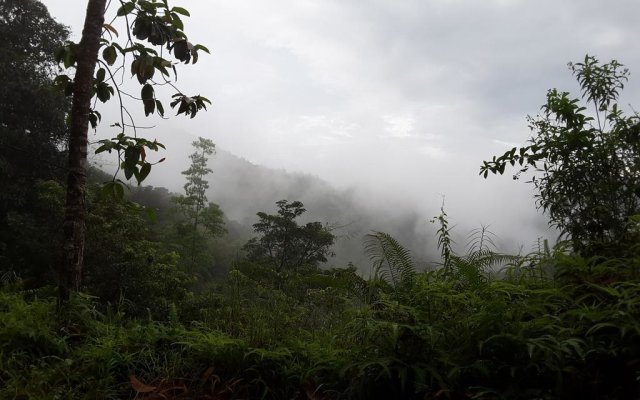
<point x="284" y="244"/>
<point x="32" y="130"/>
<point x="123" y="262"/>
<point x="585" y="159"/>
<point x="194" y="205"/>
<point x="200" y="215"/>
<point x="32" y="112"/>
<point x="155" y="23"/>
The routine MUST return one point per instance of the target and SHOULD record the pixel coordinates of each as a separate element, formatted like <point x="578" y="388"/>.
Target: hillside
<point x="242" y="188"/>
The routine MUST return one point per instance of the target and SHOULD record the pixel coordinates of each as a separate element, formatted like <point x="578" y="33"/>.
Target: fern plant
<point x="473" y="269"/>
<point x="391" y="261"/>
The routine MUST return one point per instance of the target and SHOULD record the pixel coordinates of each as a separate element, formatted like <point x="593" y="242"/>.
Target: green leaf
<point x="147" y="95"/>
<point x="69" y="58"/>
<point x="106" y="146"/>
<point x="181" y="11"/>
<point x="177" y="22"/>
<point x="131" y="157"/>
<point x="201" y="47"/>
<point x="134" y="66"/>
<point x="149" y="107"/>
<point x="147" y="92"/>
<point x="100" y="75"/>
<point x="128" y="171"/>
<point x="148" y="72"/>
<point x="103" y="91"/>
<point x="600" y="326"/>
<point x="107" y="189"/>
<point x="160" y="108"/>
<point x="144" y="172"/>
<point x="109" y="54"/>
<point x="142" y="68"/>
<point x="125" y="9"/>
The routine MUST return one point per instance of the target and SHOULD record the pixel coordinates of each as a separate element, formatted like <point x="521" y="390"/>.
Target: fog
<point x="391" y="105"/>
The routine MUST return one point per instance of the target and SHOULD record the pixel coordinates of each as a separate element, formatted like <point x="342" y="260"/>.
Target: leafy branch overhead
<point x="133" y="154"/>
<point x="154" y="43"/>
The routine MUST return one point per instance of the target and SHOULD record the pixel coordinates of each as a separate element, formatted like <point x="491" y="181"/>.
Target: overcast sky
<point x="404" y="98"/>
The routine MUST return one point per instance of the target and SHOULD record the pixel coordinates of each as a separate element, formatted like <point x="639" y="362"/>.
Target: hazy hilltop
<point x="242" y="189"/>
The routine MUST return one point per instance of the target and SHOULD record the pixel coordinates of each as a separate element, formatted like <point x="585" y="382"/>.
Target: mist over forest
<point x="242" y="189"/>
<point x="332" y="200"/>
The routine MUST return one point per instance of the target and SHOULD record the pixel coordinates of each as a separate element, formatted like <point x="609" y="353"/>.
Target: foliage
<point x="445" y="243"/>
<point x="312" y="334"/>
<point x="196" y="186"/>
<point x="124" y="265"/>
<point x="200" y="220"/>
<point x="547" y="325"/>
<point x="284" y="244"/>
<point x="390" y="260"/>
<point x="32" y="112"/>
<point x="31" y="131"/>
<point x="156" y="24"/>
<point x="586" y="160"/>
<point x="194" y="205"/>
<point x="30" y="235"/>
<point x="153" y="24"/>
<point x="30" y="35"/>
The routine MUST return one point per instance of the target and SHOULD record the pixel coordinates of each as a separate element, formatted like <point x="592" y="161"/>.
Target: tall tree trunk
<point x="70" y="263"/>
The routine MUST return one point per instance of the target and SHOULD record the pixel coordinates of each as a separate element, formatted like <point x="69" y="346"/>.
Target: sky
<point x="401" y="99"/>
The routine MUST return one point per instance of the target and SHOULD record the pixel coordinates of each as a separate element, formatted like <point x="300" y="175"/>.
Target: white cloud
<point x="398" y="126"/>
<point x="433" y="152"/>
<point x="506" y="144"/>
<point x="310" y="130"/>
<point x="611" y="36"/>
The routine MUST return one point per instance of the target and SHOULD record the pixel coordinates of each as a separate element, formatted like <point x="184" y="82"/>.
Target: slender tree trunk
<point x="70" y="263"/>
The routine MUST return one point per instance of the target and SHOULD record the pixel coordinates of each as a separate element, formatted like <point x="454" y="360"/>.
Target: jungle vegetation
<point x="173" y="303"/>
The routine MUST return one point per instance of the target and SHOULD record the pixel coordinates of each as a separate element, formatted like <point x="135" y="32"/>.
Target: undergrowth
<point x="571" y="331"/>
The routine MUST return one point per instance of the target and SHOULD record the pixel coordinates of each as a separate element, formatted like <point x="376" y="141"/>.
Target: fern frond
<point x="488" y="259"/>
<point x="480" y="239"/>
<point x="391" y="260"/>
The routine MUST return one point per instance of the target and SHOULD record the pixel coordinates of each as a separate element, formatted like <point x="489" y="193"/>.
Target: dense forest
<point x="111" y="289"/>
